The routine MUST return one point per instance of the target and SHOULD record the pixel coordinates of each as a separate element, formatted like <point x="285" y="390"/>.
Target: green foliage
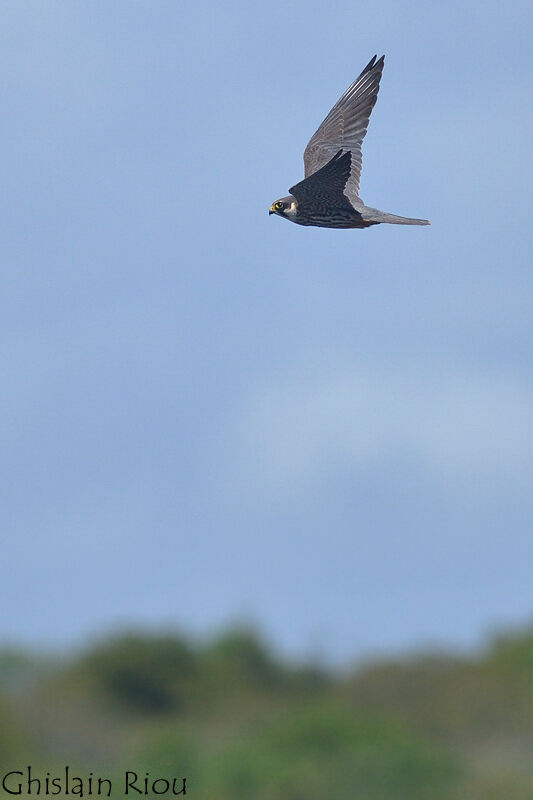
<point x="240" y="724"/>
<point x="328" y="751"/>
<point x="514" y="652"/>
<point x="239" y="658"/>
<point x="172" y="751"/>
<point x="13" y="741"/>
<point x="146" y="674"/>
<point x="19" y="670"/>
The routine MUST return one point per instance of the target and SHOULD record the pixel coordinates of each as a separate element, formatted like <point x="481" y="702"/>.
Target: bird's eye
<point x="279" y="206"/>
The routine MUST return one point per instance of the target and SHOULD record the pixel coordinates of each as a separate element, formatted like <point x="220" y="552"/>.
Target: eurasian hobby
<point x="328" y="196"/>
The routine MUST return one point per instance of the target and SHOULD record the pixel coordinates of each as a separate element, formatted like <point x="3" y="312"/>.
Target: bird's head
<point x="286" y="207"/>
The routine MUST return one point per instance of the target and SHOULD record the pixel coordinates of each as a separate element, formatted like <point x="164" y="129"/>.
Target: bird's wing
<point x="325" y="187"/>
<point x="345" y="125"/>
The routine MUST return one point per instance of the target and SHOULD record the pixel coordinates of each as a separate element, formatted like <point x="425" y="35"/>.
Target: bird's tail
<point x="373" y="215"/>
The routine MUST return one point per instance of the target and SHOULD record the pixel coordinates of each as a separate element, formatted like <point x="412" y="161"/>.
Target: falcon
<point x="328" y="196"/>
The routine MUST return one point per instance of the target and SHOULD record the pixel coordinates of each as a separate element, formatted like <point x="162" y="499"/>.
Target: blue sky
<point x="211" y="415"/>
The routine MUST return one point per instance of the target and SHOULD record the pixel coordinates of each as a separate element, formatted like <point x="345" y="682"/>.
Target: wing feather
<point x="325" y="187"/>
<point x="345" y="126"/>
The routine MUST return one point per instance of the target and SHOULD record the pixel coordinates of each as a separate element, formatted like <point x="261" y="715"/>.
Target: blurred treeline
<point x="241" y="724"/>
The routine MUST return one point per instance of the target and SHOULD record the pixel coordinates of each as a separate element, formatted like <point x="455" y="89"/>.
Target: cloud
<point x="454" y="425"/>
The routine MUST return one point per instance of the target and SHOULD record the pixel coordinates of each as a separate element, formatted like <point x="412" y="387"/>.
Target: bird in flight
<point x="328" y="196"/>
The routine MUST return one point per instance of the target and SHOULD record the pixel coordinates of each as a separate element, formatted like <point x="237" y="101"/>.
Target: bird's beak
<point x="271" y="210"/>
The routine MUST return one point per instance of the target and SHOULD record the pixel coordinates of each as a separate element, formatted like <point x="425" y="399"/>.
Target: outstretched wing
<point x="345" y="126"/>
<point x="325" y="187"/>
